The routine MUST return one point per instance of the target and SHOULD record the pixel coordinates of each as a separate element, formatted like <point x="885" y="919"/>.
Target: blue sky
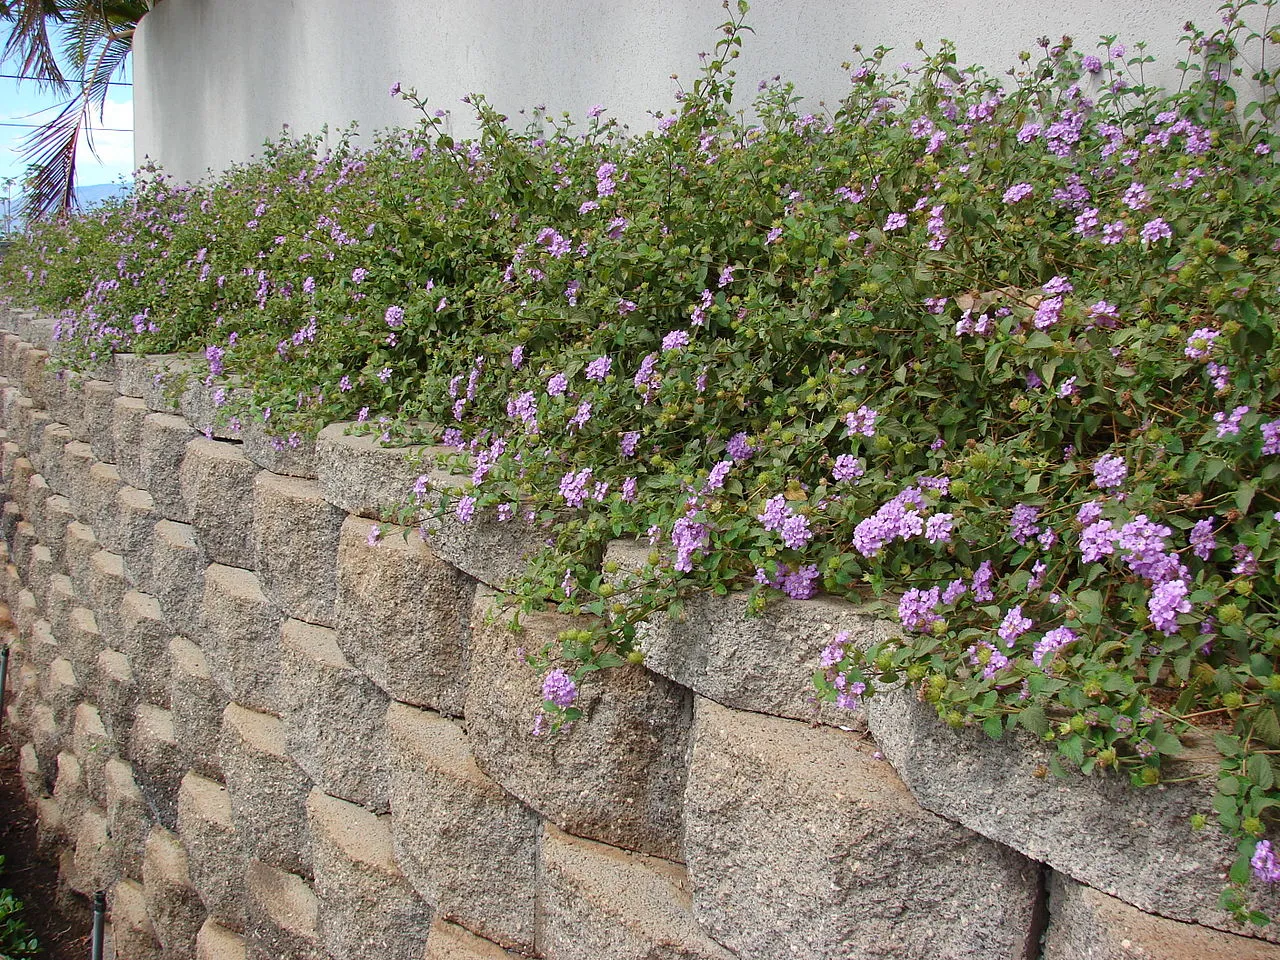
<point x="23" y="102"/>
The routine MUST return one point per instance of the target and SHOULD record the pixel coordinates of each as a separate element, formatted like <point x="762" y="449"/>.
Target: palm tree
<point x="95" y="38"/>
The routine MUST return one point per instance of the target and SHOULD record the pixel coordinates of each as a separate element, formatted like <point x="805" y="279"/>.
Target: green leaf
<point x="1033" y="719"/>
<point x="1260" y="772"/>
<point x="993" y="726"/>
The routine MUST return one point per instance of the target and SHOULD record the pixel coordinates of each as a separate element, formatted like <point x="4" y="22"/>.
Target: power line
<point x="19" y="76"/>
<point x="35" y="126"/>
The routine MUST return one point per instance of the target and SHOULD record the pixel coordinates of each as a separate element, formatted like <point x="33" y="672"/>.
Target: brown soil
<point x="32" y="878"/>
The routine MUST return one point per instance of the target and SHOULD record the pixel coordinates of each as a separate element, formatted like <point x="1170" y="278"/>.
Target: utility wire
<point x="19" y="76"/>
<point x="95" y="129"/>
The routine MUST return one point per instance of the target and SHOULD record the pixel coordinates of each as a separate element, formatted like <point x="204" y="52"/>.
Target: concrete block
<point x="43" y="647"/>
<point x="98" y="502"/>
<point x="92" y="746"/>
<point x="164" y="444"/>
<point x="50" y="841"/>
<point x="1134" y="844"/>
<point x="241" y="638"/>
<point x="618" y="776"/>
<point x="99" y="418"/>
<point x="333" y="717"/>
<point x="107" y="587"/>
<point x="135" y="372"/>
<point x="71" y="795"/>
<point x="402" y="615"/>
<point x="292" y="456"/>
<point x="33" y="368"/>
<point x="215" y="853"/>
<point x="295" y="540"/>
<point x="172" y="901"/>
<point x="31" y="423"/>
<point x="197" y="706"/>
<point x="40" y="569"/>
<point x="362" y="477"/>
<point x="66" y="400"/>
<point x="283" y="915"/>
<point x="144" y="639"/>
<point x="128" y="817"/>
<point x="800" y="843"/>
<point x="79" y="546"/>
<point x="34" y="782"/>
<point x="47" y="737"/>
<point x="367" y="907"/>
<point x="457" y="835"/>
<point x="33" y="500"/>
<point x="1085" y="924"/>
<point x="51" y="528"/>
<point x="177" y="576"/>
<point x="199" y="406"/>
<point x="127" y="416"/>
<point x="157" y="764"/>
<point x="448" y="941"/>
<point x="216" y="480"/>
<point x="132" y="933"/>
<point x="168" y="374"/>
<point x="134" y="535"/>
<point x="598" y="901"/>
<point x="216" y="942"/>
<point x="493" y="552"/>
<point x="96" y="858"/>
<point x="77" y="458"/>
<point x="60" y="599"/>
<point x="52" y="452"/>
<point x="268" y="790"/>
<point x="62" y="691"/>
<point x="26" y="614"/>
<point x="117" y="694"/>
<point x="10" y="517"/>
<point x="21" y="543"/>
<point x="22" y="703"/>
<point x="82" y="640"/>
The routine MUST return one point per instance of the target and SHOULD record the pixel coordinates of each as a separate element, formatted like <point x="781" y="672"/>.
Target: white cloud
<point x="115" y="150"/>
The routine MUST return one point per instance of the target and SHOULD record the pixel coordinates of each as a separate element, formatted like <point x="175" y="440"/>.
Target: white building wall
<point x="214" y="79"/>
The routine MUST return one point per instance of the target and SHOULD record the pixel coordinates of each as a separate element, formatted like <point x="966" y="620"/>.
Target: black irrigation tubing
<point x="4" y="676"/>
<point x="99" y="920"/>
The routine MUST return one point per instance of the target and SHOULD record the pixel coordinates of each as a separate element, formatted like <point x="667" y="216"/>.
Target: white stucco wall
<point x="215" y="78"/>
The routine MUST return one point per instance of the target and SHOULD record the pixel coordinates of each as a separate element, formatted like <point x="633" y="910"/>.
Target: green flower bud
<point x="1150" y="776"/>
<point x="1078" y="724"/>
<point x="1229" y="613"/>
<point x="955" y="719"/>
<point x="1198" y="821"/>
<point x="1252" y="825"/>
<point x="1233" y="700"/>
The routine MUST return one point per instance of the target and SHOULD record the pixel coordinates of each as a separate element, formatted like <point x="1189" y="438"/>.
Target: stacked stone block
<point x="270" y="723"/>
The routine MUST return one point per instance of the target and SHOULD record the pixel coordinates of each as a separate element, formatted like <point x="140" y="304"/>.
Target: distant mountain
<point x="95" y="194"/>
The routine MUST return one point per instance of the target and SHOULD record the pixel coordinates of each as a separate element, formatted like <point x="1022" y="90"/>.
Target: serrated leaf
<point x="1260" y="772"/>
<point x="1033" y="719"/>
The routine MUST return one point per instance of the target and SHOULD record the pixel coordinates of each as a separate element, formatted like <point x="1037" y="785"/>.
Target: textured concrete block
<point x="203" y="406"/>
<point x="21" y="543"/>
<point x="800" y="843"/>
<point x="117" y="694"/>
<point x="77" y="459"/>
<point x="82" y="640"/>
<point x="216" y="480"/>
<point x="52" y="453"/>
<point x="268" y="791"/>
<point x="216" y="942"/>
<point x="367" y="907"/>
<point x="448" y="941"/>
<point x="127" y="416"/>
<point x="135" y="373"/>
<point x="132" y="933"/>
<point x="34" y="782"/>
<point x="164" y="444"/>
<point x="144" y="639"/>
<point x="98" y="502"/>
<point x="32" y="501"/>
<point x="417" y="657"/>
<point x="60" y="599"/>
<point x="172" y="901"/>
<point x="493" y="552"/>
<point x="618" y="776"/>
<point x="40" y="570"/>
<point x="10" y="517"/>
<point x="33" y="370"/>
<point x="99" y="416"/>
<point x="96" y="857"/>
<point x="71" y="795"/>
<point x="128" y="817"/>
<point x="134" y="534"/>
<point x="92" y="746"/>
<point x="1134" y="844"/>
<point x="361" y="476"/>
<point x="79" y="546"/>
<point x="62" y="691"/>
<point x="49" y="834"/>
<point x="197" y="706"/>
<point x="598" y="901"/>
<point x="457" y="835"/>
<point x="333" y="717"/>
<point x="241" y="638"/>
<point x="1085" y="924"/>
<point x="295" y="539"/>
<point x="168" y="375"/>
<point x="107" y="587"/>
<point x="215" y="853"/>
<point x="26" y="613"/>
<point x="156" y="762"/>
<point x="177" y="576"/>
<point x="292" y="456"/>
<point x="283" y="915"/>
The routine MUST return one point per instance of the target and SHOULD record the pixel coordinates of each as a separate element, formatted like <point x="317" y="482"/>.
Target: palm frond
<point x="29" y="43"/>
<point x="51" y="151"/>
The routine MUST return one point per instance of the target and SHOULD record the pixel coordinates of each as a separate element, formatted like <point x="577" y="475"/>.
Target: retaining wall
<point x="268" y="735"/>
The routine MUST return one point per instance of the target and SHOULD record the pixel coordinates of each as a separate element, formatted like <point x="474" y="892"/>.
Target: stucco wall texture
<point x="214" y="79"/>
